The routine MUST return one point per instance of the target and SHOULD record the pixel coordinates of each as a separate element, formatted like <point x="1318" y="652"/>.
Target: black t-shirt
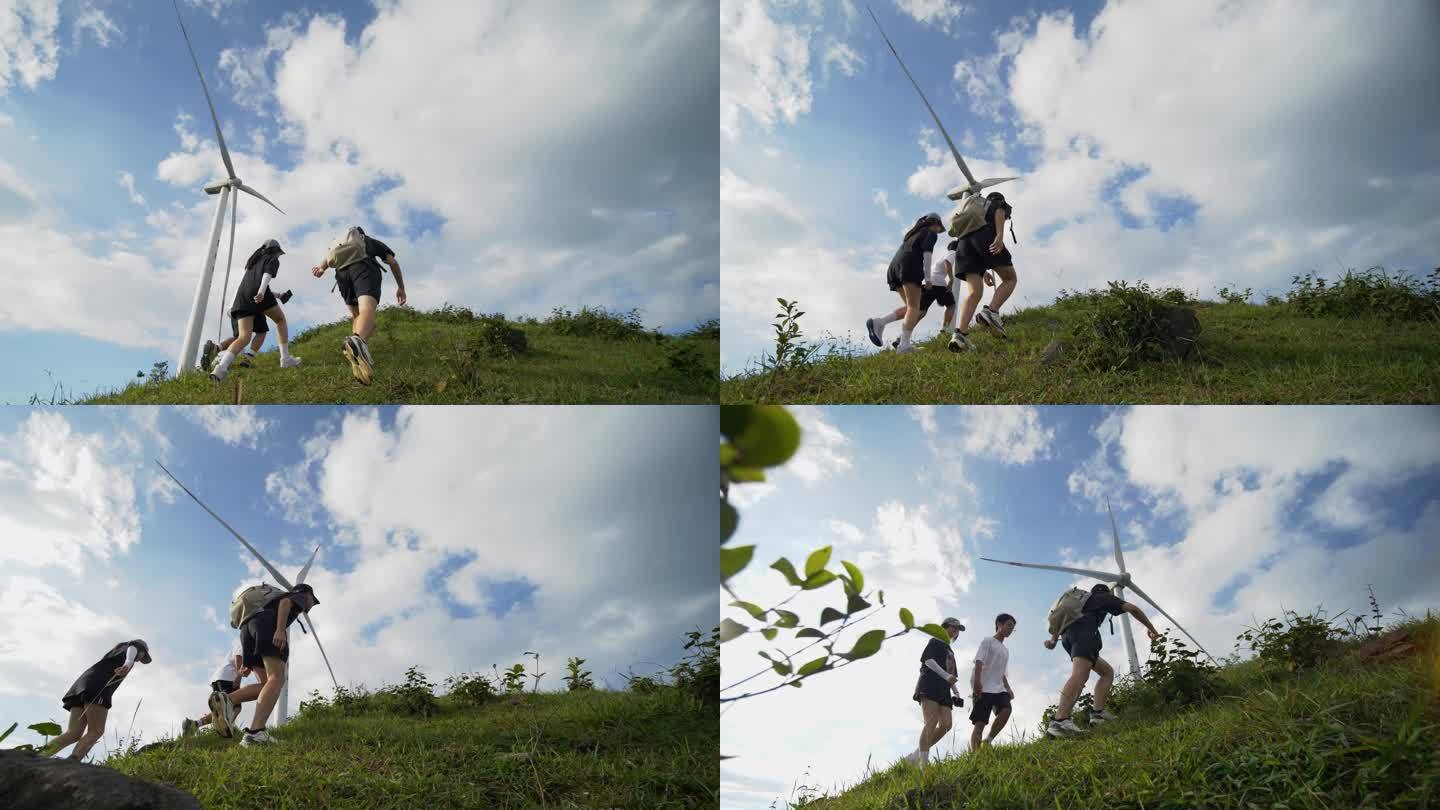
<point x="939" y="652"/>
<point x="1097" y="607"/>
<point x="912" y="252"/>
<point x="986" y="233"/>
<point x="297" y="606"/>
<point x="375" y="249"/>
<point x="268" y="265"/>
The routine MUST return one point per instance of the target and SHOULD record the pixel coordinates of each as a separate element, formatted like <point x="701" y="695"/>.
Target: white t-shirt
<point x="227" y="671"/>
<point x="993" y="658"/>
<point x="937" y="270"/>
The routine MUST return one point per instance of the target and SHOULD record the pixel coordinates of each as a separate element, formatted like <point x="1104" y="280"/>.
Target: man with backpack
<point x="989" y="688"/>
<point x="357" y="274"/>
<point x="979" y="226"/>
<point x="1075" y="620"/>
<point x="263" y="615"/>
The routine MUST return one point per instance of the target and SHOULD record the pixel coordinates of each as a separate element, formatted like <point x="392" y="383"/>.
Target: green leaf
<point x="729" y="519"/>
<point x="745" y="474"/>
<point x="47" y="729"/>
<point x="787" y="619"/>
<point x="812" y="667"/>
<point x="795" y="684"/>
<point x="817" y="561"/>
<point x="855" y="576"/>
<point x="728" y="454"/>
<point x="785" y="567"/>
<point x="756" y="612"/>
<point x="770" y="437"/>
<point x="856" y="604"/>
<point x="780" y="667"/>
<point x="937" y="631"/>
<point x="733" y="419"/>
<point x="820" y="580"/>
<point x="731" y="629"/>
<point x="866" y="646"/>
<point x="770" y="633"/>
<point x="810" y="632"/>
<point x="907" y="618"/>
<point x="830" y="614"/>
<point x="734" y="560"/>
<point x="7" y="731"/>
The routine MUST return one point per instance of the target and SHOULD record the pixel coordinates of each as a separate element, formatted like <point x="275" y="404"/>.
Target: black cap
<point x="304" y="587"/>
<point x="1100" y="587"/>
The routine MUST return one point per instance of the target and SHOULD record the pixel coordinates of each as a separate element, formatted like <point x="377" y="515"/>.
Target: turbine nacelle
<point x="960" y="192"/>
<point x="220" y="185"/>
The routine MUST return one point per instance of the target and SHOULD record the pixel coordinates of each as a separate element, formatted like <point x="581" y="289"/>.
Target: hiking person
<point x="265" y="649"/>
<point x="247" y="356"/>
<point x="254" y="300"/>
<point x="937" y="288"/>
<point x="982" y="251"/>
<point x="223" y="681"/>
<point x="88" y="699"/>
<point x="906" y="276"/>
<point x="989" y="687"/>
<point x="1081" y="639"/>
<point x="935" y="691"/>
<point x="357" y="274"/>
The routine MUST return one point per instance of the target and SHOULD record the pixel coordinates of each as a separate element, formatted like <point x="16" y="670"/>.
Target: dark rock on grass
<point x="29" y="781"/>
<point x="1179" y="329"/>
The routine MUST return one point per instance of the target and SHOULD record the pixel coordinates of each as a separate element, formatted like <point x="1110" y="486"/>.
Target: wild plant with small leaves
<point x="578" y="679"/>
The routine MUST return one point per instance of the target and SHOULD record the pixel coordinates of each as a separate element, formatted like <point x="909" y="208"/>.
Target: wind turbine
<point x="973" y="186"/>
<point x="284" y="704"/>
<point x="232" y="184"/>
<point x="1120" y="582"/>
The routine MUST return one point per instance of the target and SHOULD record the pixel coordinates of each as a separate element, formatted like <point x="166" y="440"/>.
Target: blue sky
<point x="502" y="192"/>
<point x="1225" y="515"/>
<point x="1195" y="144"/>
<point x="440" y="531"/>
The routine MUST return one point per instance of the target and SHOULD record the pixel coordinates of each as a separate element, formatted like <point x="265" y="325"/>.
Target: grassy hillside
<point x="1359" y="730"/>
<point x="1309" y="348"/>
<point x="453" y="356"/>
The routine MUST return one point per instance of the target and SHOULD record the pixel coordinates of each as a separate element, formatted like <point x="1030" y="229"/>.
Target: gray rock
<point x="29" y="781"/>
<point x="1180" y="329"/>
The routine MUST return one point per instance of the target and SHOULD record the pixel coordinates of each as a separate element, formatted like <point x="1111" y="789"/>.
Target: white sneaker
<point x="875" y="334"/>
<point x="290" y="362"/>
<point x="960" y="342"/>
<point x="1065" y="728"/>
<point x="222" y="714"/>
<point x="261" y="737"/>
<point x="991" y="319"/>
<point x="365" y="352"/>
<point x="1101" y="716"/>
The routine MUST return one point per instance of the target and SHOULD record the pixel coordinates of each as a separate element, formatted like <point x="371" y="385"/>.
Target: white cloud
<point x="127" y="180"/>
<point x="939" y="13"/>
<point x="29" y="53"/>
<point x="1012" y="434"/>
<point x="824" y="450"/>
<point x="840" y="56"/>
<point x="925" y="415"/>
<point x="99" y="25"/>
<point x="764" y="67"/>
<point x="882" y="199"/>
<point x="237" y="425"/>
<point x="214" y="7"/>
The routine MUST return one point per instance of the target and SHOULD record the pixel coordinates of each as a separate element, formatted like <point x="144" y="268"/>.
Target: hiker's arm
<point x="399" y="279"/>
<point x="130" y="653"/>
<point x="1134" y="610"/>
<point x="1050" y="642"/>
<point x="265" y="279"/>
<point x="282" y="621"/>
<point x="939" y="670"/>
<point x="925" y="263"/>
<point x="975" y="679"/>
<point x="319" y="269"/>
<point x="1006" y="680"/>
<point x="999" y="243"/>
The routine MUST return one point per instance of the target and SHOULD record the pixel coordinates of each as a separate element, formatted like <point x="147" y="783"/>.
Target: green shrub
<point x="688" y="359"/>
<point x="708" y="330"/>
<point x="1297" y="643"/>
<point x="1121" y="325"/>
<point x="578" y="679"/>
<point x="415" y="697"/>
<point x="495" y="337"/>
<point x="470" y="689"/>
<point x="1178" y="675"/>
<point x="597" y="322"/>
<point x="450" y="313"/>
<point x="1372" y="293"/>
<point x="514" y="680"/>
<point x="698" y="674"/>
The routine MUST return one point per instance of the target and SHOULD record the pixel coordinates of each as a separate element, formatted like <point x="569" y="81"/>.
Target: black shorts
<point x="989" y="701"/>
<point x="898" y="276"/>
<point x="936" y="690"/>
<point x="90" y="689"/>
<point x="223" y="687"/>
<point x="249" y="308"/>
<point x="974" y="255"/>
<point x="260" y="327"/>
<point x="360" y="278"/>
<point x="931" y="295"/>
<point x="1083" y="643"/>
<point x="257" y="640"/>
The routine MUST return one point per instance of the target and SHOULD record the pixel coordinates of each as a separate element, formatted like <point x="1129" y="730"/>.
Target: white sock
<point x="905" y="339"/>
<point x="226" y="358"/>
<point x="885" y="320"/>
<point x="284" y="352"/>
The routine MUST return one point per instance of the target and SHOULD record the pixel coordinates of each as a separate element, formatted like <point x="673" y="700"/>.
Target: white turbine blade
<point x="225" y="287"/>
<point x="1146" y="597"/>
<point x="253" y="193"/>
<point x="316" y="636"/>
<point x="279" y="577"/>
<point x="1100" y="575"/>
<point x="994" y="181"/>
<point x="959" y="161"/>
<point x="220" y="138"/>
<point x="306" y="569"/>
<point x="1116" y="534"/>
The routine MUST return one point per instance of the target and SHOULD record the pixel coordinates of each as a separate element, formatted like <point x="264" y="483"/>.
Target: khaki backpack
<point x="347" y="251"/>
<point x="1068" y="608"/>
<point x="252" y="600"/>
<point x="969" y="217"/>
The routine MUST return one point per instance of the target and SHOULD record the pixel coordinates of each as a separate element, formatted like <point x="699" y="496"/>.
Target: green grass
<point x="1352" y="733"/>
<point x="447" y="357"/>
<point x="586" y="749"/>
<point x="1247" y="353"/>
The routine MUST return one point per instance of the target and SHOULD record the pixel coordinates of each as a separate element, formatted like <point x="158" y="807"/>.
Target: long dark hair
<point x="921" y="224"/>
<point x="259" y="253"/>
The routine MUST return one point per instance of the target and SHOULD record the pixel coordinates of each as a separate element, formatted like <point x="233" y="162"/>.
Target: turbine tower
<point x="973" y="186"/>
<point x="283" y="706"/>
<point x="1119" y="582"/>
<point x="232" y="184"/>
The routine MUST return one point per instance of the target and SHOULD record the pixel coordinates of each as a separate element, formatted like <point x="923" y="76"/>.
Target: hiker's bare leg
<point x="1102" y="687"/>
<point x="1004" y="288"/>
<point x="270" y="692"/>
<point x="949" y="318"/>
<point x="225" y="344"/>
<point x="204" y="719"/>
<point x="974" y="291"/>
<point x="282" y="330"/>
<point x="930" y="711"/>
<point x="975" y="735"/>
<point x="1001" y="718"/>
<point x="244" y="328"/>
<point x="258" y="341"/>
<point x="73" y="730"/>
<point x="1079" y="674"/>
<point x="95" y="715"/>
<point x="911" y="294"/>
<point x="942" y="726"/>
<point x="364" y="312"/>
<point x="251" y="692"/>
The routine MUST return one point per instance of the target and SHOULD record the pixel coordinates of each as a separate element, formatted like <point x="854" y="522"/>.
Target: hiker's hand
<point x="1049" y="643"/>
<point x="279" y="638"/>
<point x="123" y="670"/>
<point x="1011" y="693"/>
<point x="1153" y="635"/>
<point x="997" y="246"/>
<point x="400" y="296"/>
<point x="317" y="271"/>
<point x="244" y="672"/>
<point x="989" y="279"/>
<point x="954" y="679"/>
<point x="259" y="298"/>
